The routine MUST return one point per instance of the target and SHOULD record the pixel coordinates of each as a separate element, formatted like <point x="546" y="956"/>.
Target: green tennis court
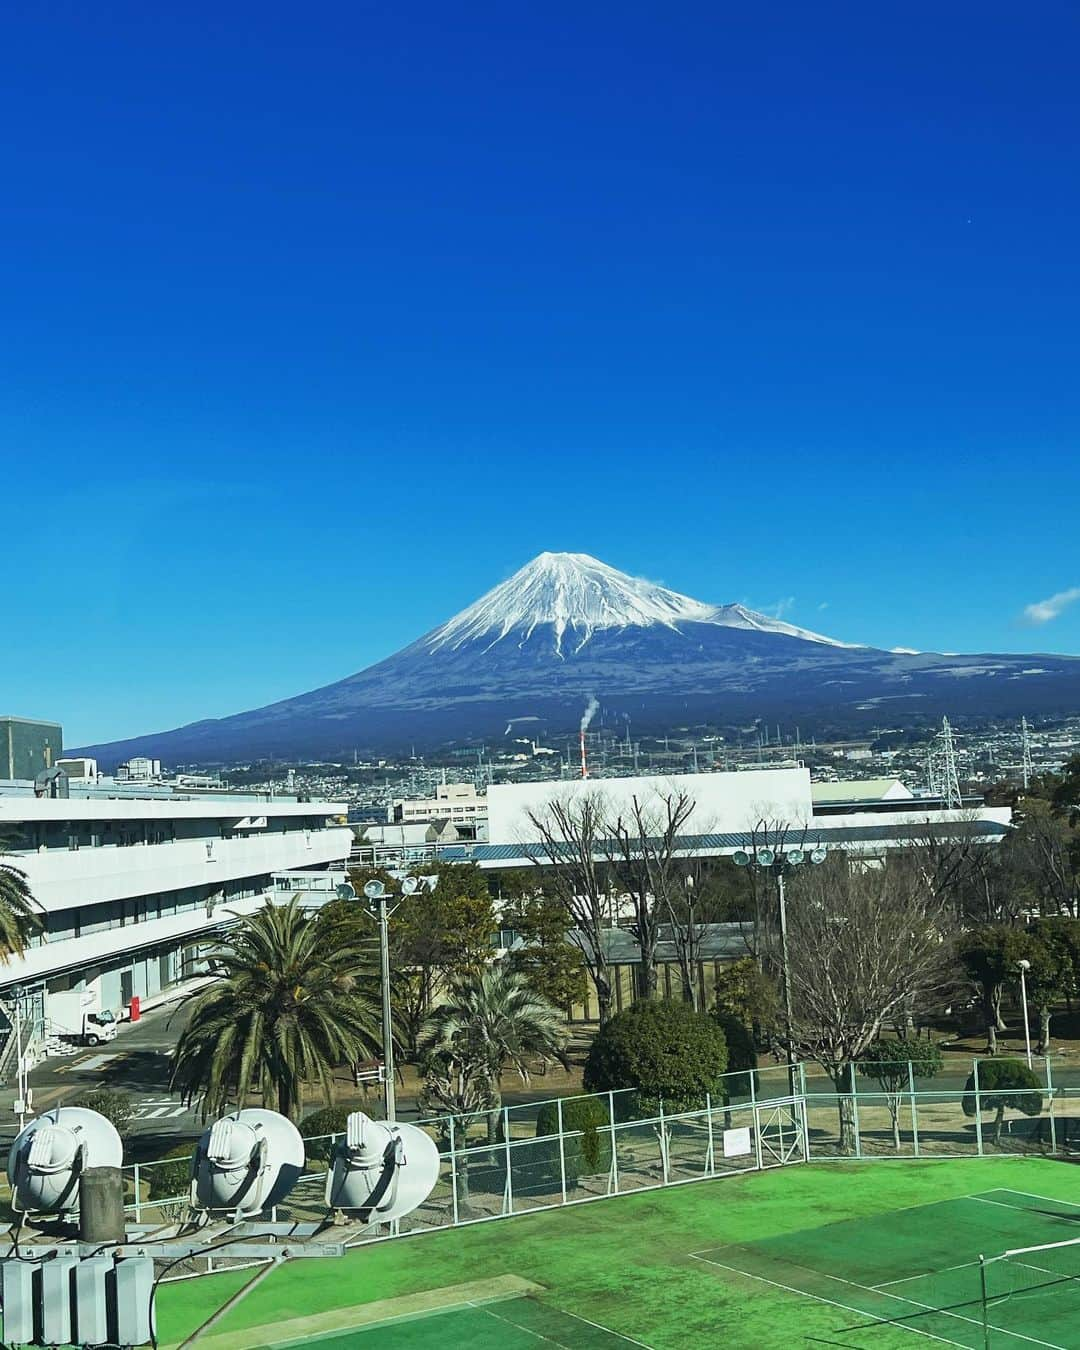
<point x="875" y="1255"/>
<point x="510" y="1324"/>
<point x="918" y="1270"/>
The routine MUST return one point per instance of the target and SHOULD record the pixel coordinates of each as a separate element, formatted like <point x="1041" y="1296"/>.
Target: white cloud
<point x="1042" y="611"/>
<point x="783" y="606"/>
<point x="824" y="605"/>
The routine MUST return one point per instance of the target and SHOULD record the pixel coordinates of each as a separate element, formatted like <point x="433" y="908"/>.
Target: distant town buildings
<point x="452" y="801"/>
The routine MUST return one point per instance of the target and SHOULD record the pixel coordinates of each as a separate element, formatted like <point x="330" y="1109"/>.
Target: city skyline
<point x="317" y="331"/>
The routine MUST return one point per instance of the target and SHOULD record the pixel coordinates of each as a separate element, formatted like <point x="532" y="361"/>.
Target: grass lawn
<point x="875" y="1254"/>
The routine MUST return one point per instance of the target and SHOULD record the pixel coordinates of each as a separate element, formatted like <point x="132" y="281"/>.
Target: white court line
<point x="819" y="1298"/>
<point x="484" y="1308"/>
<point x="610" y="1330"/>
<point x="930" y="1307"/>
<point x="1008" y="1190"/>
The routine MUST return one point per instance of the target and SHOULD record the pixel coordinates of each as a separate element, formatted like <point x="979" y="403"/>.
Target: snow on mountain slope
<point x="578" y="595"/>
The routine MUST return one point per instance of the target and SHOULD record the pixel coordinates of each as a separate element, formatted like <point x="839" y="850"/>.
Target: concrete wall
<point x="724" y="802"/>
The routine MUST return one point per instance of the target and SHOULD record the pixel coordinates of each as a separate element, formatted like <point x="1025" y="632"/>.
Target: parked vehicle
<point x="70" y="1019"/>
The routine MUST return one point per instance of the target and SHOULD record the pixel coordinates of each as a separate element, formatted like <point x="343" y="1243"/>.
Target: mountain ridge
<point x="566" y="628"/>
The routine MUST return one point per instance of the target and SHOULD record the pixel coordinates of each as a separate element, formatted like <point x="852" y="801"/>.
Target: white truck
<point x="76" y="1017"/>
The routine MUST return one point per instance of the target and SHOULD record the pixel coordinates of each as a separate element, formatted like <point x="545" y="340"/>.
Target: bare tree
<point x="642" y="845"/>
<point x="864" y="945"/>
<point x="571" y="847"/>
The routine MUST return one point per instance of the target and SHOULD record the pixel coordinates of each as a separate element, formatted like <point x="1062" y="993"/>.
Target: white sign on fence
<point x="737" y="1143"/>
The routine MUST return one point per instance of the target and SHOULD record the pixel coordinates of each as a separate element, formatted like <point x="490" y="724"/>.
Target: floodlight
<point x="410" y="885"/>
<point x="381" y="1170"/>
<point x="818" y="855"/>
<point x="794" y="857"/>
<point x="246" y="1162"/>
<point x="765" y="857"/>
<point x="49" y="1155"/>
<point x="344" y="891"/>
<point x="741" y="858"/>
<point x="374" y="890"/>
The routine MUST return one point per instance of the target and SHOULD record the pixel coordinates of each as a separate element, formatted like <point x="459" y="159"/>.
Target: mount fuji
<point x="567" y="628"/>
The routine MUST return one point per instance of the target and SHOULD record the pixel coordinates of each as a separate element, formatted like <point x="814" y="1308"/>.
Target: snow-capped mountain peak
<point x="569" y="591"/>
<point x="577" y="595"/>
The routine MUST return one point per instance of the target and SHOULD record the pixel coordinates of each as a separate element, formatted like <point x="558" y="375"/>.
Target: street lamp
<point x="1025" y="966"/>
<point x="780" y="861"/>
<point x="380" y="902"/>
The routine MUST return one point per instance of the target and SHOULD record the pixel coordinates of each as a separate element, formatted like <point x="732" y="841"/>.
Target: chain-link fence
<point x="573" y="1149"/>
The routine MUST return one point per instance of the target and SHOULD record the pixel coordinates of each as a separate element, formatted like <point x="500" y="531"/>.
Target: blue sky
<point x="318" y="321"/>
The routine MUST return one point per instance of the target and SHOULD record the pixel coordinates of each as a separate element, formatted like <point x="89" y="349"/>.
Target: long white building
<point x="134" y="883"/>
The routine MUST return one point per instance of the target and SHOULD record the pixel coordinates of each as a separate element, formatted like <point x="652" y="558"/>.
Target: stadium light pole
<point x="781" y="861"/>
<point x="376" y="894"/>
<point x="1025" y="966"/>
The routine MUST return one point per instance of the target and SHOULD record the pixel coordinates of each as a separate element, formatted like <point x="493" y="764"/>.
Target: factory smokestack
<point x="587" y="716"/>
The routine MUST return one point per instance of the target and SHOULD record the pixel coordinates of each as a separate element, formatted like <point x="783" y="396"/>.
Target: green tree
<point x="665" y="1051"/>
<point x="1004" y="1085"/>
<point x="438" y="935"/>
<point x="742" y="1055"/>
<point x="892" y="1064"/>
<point x="745" y="993"/>
<point x="1054" y="953"/>
<point x="19" y="920"/>
<point x="990" y="955"/>
<point x="293" y="999"/>
<point x="586" y="1148"/>
<point x="491" y="1017"/>
<point x="552" y="964"/>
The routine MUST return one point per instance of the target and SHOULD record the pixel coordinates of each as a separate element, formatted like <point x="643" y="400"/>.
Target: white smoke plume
<point x="591" y="709"/>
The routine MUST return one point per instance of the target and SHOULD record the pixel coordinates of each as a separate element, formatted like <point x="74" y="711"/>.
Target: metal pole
<point x="985" y="1308"/>
<point x="389" y="1102"/>
<point x="21" y="1064"/>
<point x="788" y="1019"/>
<point x="1023" y="1000"/>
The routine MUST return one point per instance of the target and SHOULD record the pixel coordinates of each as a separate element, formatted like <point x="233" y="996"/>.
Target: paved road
<point x="137" y="1064"/>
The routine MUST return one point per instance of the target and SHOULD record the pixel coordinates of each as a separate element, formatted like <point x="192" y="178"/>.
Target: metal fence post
<point x="613" y="1175"/>
<point x="802" y="1077"/>
<point x="914" y="1111"/>
<point x="663" y="1144"/>
<point x="855" y="1112"/>
<point x="978" y="1106"/>
<point x="562" y="1150"/>
<point x="506" y="1144"/>
<point x="1050" y="1093"/>
<point x="710" y="1157"/>
<point x="453" y="1172"/>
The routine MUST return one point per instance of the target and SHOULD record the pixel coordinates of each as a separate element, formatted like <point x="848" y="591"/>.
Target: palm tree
<point x="18" y="920"/>
<point x="292" y="1001"/>
<point x="492" y="1016"/>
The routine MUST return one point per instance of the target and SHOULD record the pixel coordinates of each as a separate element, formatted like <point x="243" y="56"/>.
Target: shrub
<point x="107" y="1102"/>
<point x="588" y="1154"/>
<point x="171" y="1177"/>
<point x="327" y="1120"/>
<point x="665" y="1050"/>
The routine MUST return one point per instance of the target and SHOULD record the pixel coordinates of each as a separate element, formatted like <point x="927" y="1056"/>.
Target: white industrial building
<point x="135" y="882"/>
